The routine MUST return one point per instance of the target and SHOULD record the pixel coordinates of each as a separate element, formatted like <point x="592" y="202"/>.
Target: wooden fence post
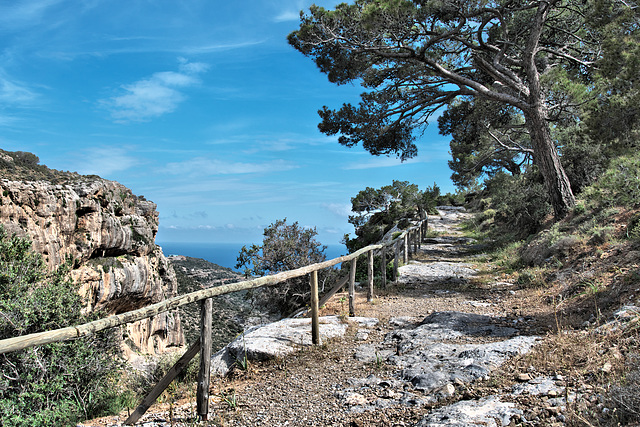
<point x="315" y="323"/>
<point x="163" y="384"/>
<point x="370" y="276"/>
<point x="383" y="270"/>
<point x="396" y="256"/>
<point x="204" y="376"/>
<point x="352" y="288"/>
<point x="405" y="253"/>
<point x="416" y="243"/>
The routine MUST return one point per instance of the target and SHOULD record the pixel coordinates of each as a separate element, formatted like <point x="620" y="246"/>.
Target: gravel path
<point x="366" y="377"/>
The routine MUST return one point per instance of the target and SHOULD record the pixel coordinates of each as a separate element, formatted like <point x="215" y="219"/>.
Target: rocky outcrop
<point x="109" y="234"/>
<point x="274" y="340"/>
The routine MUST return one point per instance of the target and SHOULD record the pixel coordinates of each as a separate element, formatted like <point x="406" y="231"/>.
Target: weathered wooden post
<point x="315" y="323"/>
<point x="396" y="256"/>
<point x="370" y="276"/>
<point x="163" y="384"/>
<point x="405" y="253"/>
<point x="204" y="376"/>
<point x="383" y="270"/>
<point x="352" y="288"/>
<point x="416" y="243"/>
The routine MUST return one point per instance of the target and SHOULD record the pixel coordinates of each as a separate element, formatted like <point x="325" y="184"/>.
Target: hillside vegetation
<point x="194" y="274"/>
<point x="584" y="272"/>
<point x="25" y="166"/>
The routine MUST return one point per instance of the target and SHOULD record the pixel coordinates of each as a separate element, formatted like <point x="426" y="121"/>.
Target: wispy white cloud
<point x="103" y="161"/>
<point x="287" y="15"/>
<point x="8" y="120"/>
<point x="380" y="162"/>
<point x="18" y="14"/>
<point x="290" y="13"/>
<point x="205" y="166"/>
<point x="332" y="230"/>
<point x="219" y="47"/>
<point x="154" y="96"/>
<point x="273" y="146"/>
<point x="141" y="45"/>
<point x="339" y="209"/>
<point x="14" y="92"/>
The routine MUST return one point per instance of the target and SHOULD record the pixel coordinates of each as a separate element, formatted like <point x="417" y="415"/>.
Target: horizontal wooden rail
<point x="74" y="332"/>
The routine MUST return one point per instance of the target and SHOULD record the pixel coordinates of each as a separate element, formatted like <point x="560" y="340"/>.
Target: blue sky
<point x="200" y="106"/>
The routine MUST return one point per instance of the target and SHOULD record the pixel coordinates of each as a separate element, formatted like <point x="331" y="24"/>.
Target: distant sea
<point x="225" y="254"/>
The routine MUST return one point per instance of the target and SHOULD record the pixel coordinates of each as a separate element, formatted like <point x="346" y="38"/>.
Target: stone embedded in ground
<point x="431" y="355"/>
<point x="369" y="353"/>
<point x="364" y="322"/>
<point x="468" y="324"/>
<point x="403" y="322"/>
<point x="353" y="399"/>
<point x="483" y="412"/>
<point x="537" y="386"/>
<point x="435" y="272"/>
<point x="273" y="340"/>
<point x="524" y="377"/>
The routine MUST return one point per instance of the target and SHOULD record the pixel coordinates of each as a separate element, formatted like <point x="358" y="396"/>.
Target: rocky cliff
<point x="106" y="230"/>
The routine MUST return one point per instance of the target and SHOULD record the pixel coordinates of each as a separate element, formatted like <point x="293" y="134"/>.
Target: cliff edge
<point x="106" y="230"/>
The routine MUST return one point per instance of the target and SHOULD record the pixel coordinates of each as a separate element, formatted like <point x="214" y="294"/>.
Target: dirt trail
<point x="341" y="384"/>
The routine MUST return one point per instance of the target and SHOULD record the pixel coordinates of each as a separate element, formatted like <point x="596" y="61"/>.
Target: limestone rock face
<point x="110" y="234"/>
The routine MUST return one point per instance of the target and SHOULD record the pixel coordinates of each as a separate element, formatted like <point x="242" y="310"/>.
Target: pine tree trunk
<point x="548" y="162"/>
<point x="545" y="153"/>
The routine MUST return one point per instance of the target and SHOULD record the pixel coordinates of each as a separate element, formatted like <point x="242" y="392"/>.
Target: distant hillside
<point x="232" y="312"/>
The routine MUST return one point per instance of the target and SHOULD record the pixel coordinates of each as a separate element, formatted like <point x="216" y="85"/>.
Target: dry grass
<point x="577" y="283"/>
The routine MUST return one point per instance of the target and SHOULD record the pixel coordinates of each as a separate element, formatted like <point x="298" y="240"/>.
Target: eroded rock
<point x="110" y="234"/>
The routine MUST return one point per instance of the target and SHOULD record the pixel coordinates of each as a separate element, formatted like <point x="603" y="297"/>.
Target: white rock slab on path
<point x="279" y="339"/>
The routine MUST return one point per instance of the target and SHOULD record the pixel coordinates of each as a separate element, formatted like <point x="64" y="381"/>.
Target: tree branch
<point x="517" y="148"/>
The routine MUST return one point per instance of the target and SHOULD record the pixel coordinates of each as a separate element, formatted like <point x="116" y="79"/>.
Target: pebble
<point x="524" y="377"/>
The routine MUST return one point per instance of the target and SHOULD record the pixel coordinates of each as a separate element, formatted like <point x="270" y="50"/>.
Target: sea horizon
<point x="225" y="254"/>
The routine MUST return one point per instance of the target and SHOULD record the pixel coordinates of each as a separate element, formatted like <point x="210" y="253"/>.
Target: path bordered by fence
<point x="412" y="236"/>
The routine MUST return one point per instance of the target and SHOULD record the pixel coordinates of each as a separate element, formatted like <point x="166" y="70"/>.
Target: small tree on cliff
<point x="417" y="57"/>
<point x="284" y="247"/>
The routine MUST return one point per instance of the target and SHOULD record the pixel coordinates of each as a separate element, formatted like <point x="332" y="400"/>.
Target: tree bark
<point x="546" y="158"/>
<point x="545" y="154"/>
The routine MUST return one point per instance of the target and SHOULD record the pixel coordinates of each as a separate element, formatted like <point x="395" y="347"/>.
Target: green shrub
<point x="584" y="161"/>
<point x="451" y="199"/>
<point x="633" y="228"/>
<point x="601" y="234"/>
<point x="625" y="396"/>
<point x="579" y="209"/>
<point x="618" y="186"/>
<point x="284" y="247"/>
<point x="532" y="278"/>
<point x="54" y="384"/>
<point x="520" y="202"/>
<point x="508" y="256"/>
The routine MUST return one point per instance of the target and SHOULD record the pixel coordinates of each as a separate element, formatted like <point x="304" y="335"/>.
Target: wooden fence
<point x="408" y="241"/>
